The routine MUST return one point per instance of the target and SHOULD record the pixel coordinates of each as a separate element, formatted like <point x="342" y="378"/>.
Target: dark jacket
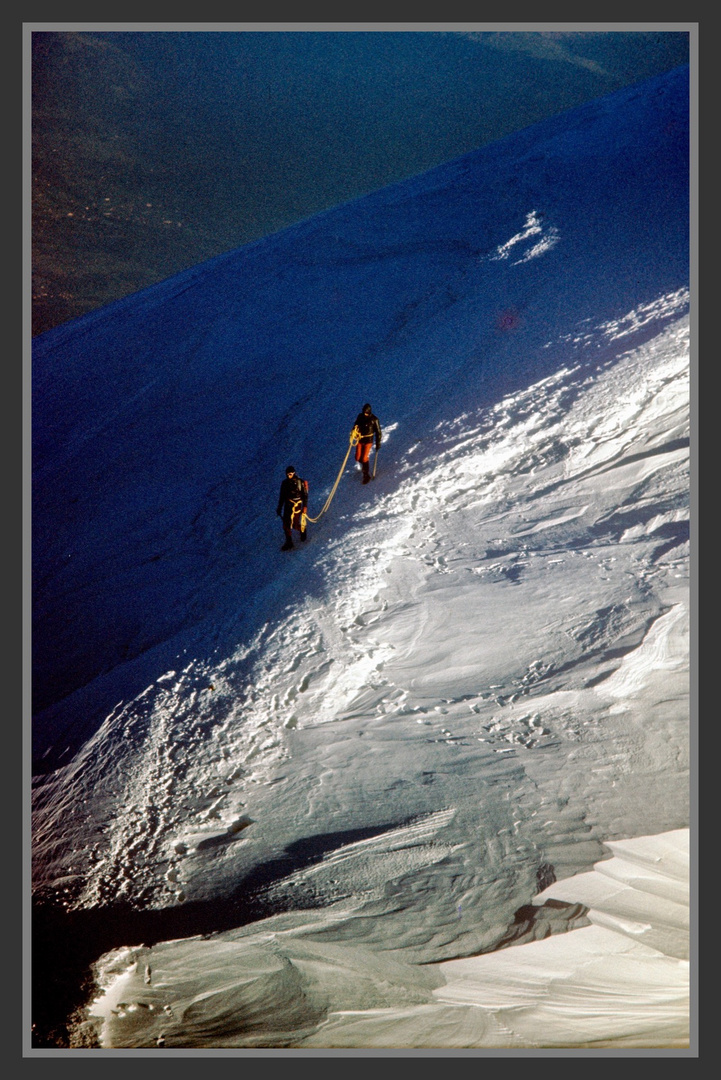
<point x="292" y="489"/>
<point x="369" y="428"/>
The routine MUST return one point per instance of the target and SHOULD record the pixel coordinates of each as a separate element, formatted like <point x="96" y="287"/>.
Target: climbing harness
<point x="296" y="505"/>
<point x="354" y="439"/>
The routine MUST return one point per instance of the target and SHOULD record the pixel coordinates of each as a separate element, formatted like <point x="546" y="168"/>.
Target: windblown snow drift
<point x="322" y="786"/>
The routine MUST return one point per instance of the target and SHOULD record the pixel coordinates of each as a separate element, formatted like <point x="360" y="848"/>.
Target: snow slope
<point x="354" y="767"/>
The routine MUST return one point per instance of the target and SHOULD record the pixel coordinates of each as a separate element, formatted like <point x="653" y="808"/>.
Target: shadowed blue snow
<point x="473" y="677"/>
<point x="153" y="151"/>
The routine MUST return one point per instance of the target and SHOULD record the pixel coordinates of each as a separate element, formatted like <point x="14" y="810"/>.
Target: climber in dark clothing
<point x="368" y="427"/>
<point x="293" y="506"/>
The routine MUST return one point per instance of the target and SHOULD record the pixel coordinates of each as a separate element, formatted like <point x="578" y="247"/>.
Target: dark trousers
<point x="292" y="514"/>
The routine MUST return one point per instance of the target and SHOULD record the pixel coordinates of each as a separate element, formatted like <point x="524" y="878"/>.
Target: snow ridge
<point x="343" y="768"/>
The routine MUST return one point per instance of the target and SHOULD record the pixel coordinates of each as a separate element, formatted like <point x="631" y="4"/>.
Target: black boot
<point x="287" y="545"/>
<point x="303" y="535"/>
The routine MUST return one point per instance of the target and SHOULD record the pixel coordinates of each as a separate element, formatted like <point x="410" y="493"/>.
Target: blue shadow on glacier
<point x="162" y="423"/>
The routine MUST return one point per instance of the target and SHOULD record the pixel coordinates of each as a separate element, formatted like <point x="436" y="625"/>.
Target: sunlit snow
<point x="424" y="781"/>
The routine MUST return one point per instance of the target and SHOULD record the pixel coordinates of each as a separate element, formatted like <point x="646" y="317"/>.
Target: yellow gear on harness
<point x="295" y="505"/>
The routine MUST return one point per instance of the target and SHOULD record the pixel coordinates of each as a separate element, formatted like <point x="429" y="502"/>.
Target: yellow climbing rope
<point x="354" y="437"/>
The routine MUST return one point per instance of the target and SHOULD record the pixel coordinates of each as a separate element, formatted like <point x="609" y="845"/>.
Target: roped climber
<point x="293" y="506"/>
<point x="368" y="428"/>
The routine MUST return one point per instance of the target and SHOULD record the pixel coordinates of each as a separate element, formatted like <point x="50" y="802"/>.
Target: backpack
<point x="298" y="489"/>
